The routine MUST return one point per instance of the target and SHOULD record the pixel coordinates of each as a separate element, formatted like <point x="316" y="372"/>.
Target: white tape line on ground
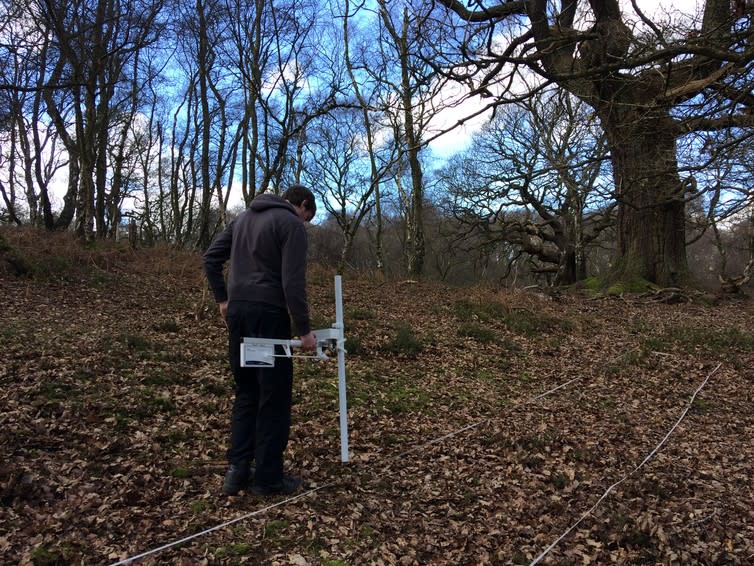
<point x="476" y="424"/>
<point x="644" y="461"/>
<point x="218" y="527"/>
<point x="132" y="559"/>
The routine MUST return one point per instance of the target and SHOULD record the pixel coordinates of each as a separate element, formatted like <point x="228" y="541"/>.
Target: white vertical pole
<point x="343" y="405"/>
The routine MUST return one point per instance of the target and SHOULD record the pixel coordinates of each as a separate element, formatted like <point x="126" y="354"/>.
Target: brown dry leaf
<point x="115" y="405"/>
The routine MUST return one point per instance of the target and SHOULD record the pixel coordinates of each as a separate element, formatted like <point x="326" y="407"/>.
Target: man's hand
<point x="309" y="342"/>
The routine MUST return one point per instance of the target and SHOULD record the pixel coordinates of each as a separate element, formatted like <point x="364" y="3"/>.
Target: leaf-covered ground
<point x="115" y="396"/>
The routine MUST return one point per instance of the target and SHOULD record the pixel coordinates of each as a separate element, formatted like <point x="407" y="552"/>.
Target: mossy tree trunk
<point x="651" y="214"/>
<point x="633" y="83"/>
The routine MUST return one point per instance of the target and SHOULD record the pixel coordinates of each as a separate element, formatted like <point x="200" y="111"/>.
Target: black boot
<point x="287" y="486"/>
<point x="237" y="478"/>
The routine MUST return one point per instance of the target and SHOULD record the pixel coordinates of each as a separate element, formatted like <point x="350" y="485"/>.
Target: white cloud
<point x="659" y="12"/>
<point x="472" y="112"/>
<point x="453" y="126"/>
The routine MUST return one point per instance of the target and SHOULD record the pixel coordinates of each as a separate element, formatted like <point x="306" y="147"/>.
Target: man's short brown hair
<point x="297" y="194"/>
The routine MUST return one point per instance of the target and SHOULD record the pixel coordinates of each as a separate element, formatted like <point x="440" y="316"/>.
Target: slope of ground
<point x="486" y="427"/>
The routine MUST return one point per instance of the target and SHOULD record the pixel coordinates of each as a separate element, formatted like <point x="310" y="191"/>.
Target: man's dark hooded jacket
<point x="266" y="245"/>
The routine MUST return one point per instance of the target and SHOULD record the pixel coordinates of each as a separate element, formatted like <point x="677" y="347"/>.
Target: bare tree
<point x="283" y="58"/>
<point x="93" y="48"/>
<point x="31" y="153"/>
<point x="358" y="72"/>
<point x="237" y="79"/>
<point x="412" y="99"/>
<point x="339" y="166"/>
<point x="408" y="133"/>
<point x="636" y="74"/>
<point x="533" y="178"/>
<point x="729" y="212"/>
<point x="204" y="28"/>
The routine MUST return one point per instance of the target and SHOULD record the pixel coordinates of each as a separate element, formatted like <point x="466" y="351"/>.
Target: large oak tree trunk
<point x="651" y="214"/>
<point x="633" y="79"/>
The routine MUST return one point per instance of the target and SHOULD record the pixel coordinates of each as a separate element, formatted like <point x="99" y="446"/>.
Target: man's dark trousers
<point x="261" y="416"/>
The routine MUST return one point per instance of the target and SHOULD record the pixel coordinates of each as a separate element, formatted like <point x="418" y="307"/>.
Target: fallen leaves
<point x="116" y="404"/>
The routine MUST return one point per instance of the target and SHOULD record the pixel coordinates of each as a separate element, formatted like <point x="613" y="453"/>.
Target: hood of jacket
<point x="265" y="202"/>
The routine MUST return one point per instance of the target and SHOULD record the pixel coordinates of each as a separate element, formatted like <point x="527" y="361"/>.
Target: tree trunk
<point x="651" y="215"/>
<point x="71" y="195"/>
<point x="86" y="136"/>
<point x="70" y="200"/>
<point x="9" y="199"/>
<point x="205" y="237"/>
<point x="379" y="253"/>
<point x="415" y="217"/>
<point x="100" y="168"/>
<point x="375" y="175"/>
<point x="415" y="226"/>
<point x="571" y="268"/>
<point x="345" y="250"/>
<point x="570" y="241"/>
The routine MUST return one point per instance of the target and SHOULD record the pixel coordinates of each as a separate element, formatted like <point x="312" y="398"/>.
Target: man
<point x="266" y="246"/>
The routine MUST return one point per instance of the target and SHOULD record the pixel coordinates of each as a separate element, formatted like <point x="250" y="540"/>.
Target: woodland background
<point x="529" y="312"/>
<point x="484" y="422"/>
<point x="519" y="142"/>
